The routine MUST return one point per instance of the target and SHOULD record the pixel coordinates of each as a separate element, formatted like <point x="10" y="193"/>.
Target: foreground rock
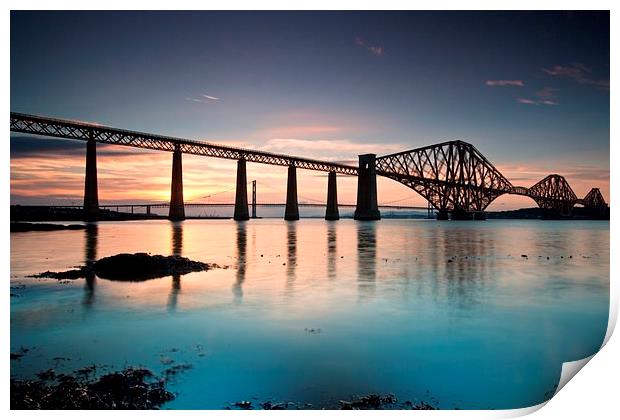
<point x="133" y="267"/>
<point x="364" y="402"/>
<point x="32" y="227"/>
<point x="128" y="389"/>
<point x="141" y="266"/>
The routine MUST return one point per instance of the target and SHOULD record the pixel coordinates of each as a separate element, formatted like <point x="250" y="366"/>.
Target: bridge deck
<point x="52" y="127"/>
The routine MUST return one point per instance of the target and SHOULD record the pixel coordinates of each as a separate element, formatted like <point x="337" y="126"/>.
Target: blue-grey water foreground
<point x="458" y="314"/>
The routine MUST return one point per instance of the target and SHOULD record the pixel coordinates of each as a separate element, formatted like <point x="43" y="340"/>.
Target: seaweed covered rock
<point x="142" y="266"/>
<point x="133" y="267"/>
<point x="132" y="388"/>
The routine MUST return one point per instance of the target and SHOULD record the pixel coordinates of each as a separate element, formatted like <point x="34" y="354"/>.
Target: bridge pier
<point x="254" y="199"/>
<point x="442" y="215"/>
<point x="177" y="208"/>
<point x="331" y="210"/>
<point x="460" y="214"/>
<point x="91" y="194"/>
<point x="292" y="208"/>
<point x="241" y="197"/>
<point x="367" y="208"/>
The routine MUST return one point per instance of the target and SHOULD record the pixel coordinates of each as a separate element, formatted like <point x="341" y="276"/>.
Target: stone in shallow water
<point x="133" y="267"/>
<point x="142" y="266"/>
<point x="38" y="227"/>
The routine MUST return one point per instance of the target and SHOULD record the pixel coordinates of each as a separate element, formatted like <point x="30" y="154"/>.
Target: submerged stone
<point x="133" y="267"/>
<point x="63" y="275"/>
<point x="142" y="266"/>
<point x="45" y="227"/>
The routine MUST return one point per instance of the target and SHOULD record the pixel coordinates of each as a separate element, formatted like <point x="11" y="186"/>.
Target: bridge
<point x="454" y="177"/>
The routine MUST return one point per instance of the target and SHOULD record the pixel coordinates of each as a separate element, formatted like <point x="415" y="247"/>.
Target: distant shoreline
<point x="21" y="213"/>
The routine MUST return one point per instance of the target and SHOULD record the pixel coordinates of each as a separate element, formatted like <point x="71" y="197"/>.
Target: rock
<point x="47" y="375"/>
<point x="246" y="405"/>
<point x="176" y="369"/>
<point x="19" y="354"/>
<point x="133" y="267"/>
<point x="142" y="266"/>
<point x="63" y="275"/>
<point x="42" y="227"/>
<point x="132" y="388"/>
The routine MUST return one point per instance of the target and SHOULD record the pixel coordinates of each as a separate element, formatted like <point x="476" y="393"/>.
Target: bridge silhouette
<point x="454" y="177"/>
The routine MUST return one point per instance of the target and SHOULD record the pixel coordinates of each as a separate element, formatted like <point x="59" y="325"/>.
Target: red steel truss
<point x="452" y="176"/>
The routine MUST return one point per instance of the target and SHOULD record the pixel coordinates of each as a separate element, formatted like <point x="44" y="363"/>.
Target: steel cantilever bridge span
<point x="453" y="176"/>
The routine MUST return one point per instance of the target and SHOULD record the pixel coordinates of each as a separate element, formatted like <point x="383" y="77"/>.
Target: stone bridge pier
<point x="91" y="194"/>
<point x="331" y="210"/>
<point x="241" y="196"/>
<point x="177" y="208"/>
<point x="291" y="211"/>
<point x="367" y="208"/>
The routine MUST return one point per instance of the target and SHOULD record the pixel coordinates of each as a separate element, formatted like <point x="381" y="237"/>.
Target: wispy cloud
<point x="204" y="99"/>
<point x="341" y="150"/>
<point x="518" y="83"/>
<point x="545" y="96"/>
<point x="579" y="73"/>
<point x="376" y="50"/>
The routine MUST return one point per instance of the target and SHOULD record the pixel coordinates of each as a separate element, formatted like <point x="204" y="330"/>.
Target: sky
<point x="529" y="89"/>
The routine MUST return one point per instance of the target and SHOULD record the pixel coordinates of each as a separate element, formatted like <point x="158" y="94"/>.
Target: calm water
<point x="311" y="311"/>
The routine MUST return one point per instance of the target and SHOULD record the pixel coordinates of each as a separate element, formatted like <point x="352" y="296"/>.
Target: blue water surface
<point x="458" y="314"/>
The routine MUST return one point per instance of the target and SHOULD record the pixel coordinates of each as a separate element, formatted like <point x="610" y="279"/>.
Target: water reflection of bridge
<point x="455" y="264"/>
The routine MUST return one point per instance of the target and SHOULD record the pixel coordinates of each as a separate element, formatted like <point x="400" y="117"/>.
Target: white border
<point x="593" y="395"/>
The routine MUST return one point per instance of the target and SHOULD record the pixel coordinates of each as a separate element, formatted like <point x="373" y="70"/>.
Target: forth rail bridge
<point x="454" y="177"/>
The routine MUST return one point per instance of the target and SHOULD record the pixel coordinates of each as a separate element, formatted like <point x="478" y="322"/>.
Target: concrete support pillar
<point x="331" y="211"/>
<point x="91" y="195"/>
<point x="254" y="199"/>
<point x="442" y="215"/>
<point x="292" y="208"/>
<point x="460" y="214"/>
<point x="177" y="208"/>
<point x="367" y="208"/>
<point x="241" y="198"/>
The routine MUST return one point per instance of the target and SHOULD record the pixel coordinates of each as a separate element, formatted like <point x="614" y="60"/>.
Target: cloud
<point x="204" y="99"/>
<point x="579" y="73"/>
<point x="330" y="150"/>
<point x="31" y="146"/>
<point x="518" y="83"/>
<point x="545" y="96"/>
<point x="376" y="50"/>
<point x="547" y="93"/>
<point x="303" y="130"/>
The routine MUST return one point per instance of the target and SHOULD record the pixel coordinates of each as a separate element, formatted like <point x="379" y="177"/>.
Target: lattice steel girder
<point x="451" y="175"/>
<point x="594" y="198"/>
<point x="553" y="188"/>
<point x="31" y="124"/>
